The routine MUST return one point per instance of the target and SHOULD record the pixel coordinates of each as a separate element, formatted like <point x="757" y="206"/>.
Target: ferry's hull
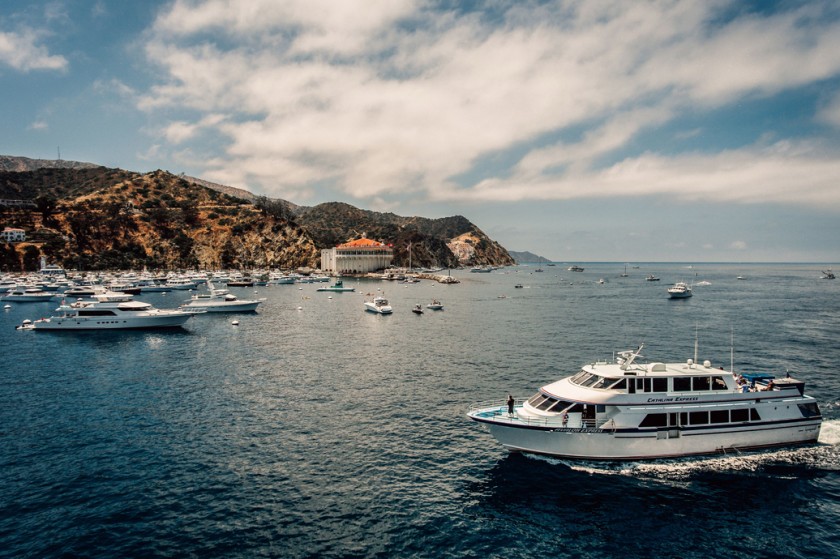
<point x="597" y="444"/>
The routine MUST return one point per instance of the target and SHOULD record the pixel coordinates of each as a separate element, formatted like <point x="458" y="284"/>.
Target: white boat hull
<point x="370" y="307"/>
<point x="605" y="444"/>
<point x="28" y="298"/>
<point x="221" y="306"/>
<point x="679" y="294"/>
<point x="168" y="320"/>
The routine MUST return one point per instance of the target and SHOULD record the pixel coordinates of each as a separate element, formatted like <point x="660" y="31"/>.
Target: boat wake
<point x="823" y="456"/>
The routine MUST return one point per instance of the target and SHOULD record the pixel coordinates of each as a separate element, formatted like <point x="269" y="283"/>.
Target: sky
<point x="626" y="131"/>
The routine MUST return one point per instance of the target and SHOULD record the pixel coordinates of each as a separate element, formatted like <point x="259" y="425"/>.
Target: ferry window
<point x="655" y="420"/>
<point x="740" y="415"/>
<point x="603" y="382"/>
<point x="546" y="404"/>
<point x="660" y="385"/>
<point x="643" y="384"/>
<point x="577" y="408"/>
<point x="601" y="408"/>
<point x="576" y="379"/>
<point x="682" y="384"/>
<point x="699" y="383"/>
<point x="698" y="417"/>
<point x="620" y="385"/>
<point x="559" y="406"/>
<point x="536" y="399"/>
<point x="754" y="415"/>
<point x="718" y="383"/>
<point x="672" y="417"/>
<point x="590" y="381"/>
<point x="809" y="410"/>
<point x="684" y="418"/>
<point x="719" y="416"/>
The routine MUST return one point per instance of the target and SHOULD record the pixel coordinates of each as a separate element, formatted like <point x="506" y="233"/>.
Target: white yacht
<point x="627" y="411"/>
<point x="435" y="305"/>
<point x="379" y="304"/>
<point x="85" y="289"/>
<point x="182" y="283"/>
<point x="680" y="290"/>
<point x="27" y="294"/>
<point x="110" y="315"/>
<point x="219" y="300"/>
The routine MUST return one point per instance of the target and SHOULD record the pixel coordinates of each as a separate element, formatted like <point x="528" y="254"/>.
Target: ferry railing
<point x="497" y="410"/>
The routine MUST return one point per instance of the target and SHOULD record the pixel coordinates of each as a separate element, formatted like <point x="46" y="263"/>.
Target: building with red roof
<point x="357" y="257"/>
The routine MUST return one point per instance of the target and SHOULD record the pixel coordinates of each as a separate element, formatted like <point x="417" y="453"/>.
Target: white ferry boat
<point x="109" y="315"/>
<point x="629" y="411"/>
<point x="679" y="290"/>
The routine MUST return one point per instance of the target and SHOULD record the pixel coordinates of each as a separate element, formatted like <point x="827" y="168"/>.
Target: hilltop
<point x="526" y="256"/>
<point x="93" y="217"/>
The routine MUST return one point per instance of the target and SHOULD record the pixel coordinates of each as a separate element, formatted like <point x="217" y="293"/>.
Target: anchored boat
<point x="627" y="410"/>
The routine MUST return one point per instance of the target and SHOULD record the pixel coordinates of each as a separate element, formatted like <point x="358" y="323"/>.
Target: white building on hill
<point x="356" y="257"/>
<point x="12" y="235"/>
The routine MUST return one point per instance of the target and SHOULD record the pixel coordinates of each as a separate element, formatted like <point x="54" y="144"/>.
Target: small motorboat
<point x="379" y="305"/>
<point x="435" y="305"/>
<point x="418" y="309"/>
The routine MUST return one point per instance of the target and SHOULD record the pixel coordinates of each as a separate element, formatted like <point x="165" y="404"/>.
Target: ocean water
<point x="314" y="429"/>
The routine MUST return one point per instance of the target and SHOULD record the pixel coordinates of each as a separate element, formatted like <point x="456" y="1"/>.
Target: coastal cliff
<point x="87" y="217"/>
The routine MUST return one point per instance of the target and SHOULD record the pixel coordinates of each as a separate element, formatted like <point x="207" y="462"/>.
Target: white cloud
<point x="830" y="112"/>
<point x="39" y="125"/>
<point x="180" y="131"/>
<point x="21" y="51"/>
<point x="738" y="245"/>
<point x="754" y="174"/>
<point x="387" y="98"/>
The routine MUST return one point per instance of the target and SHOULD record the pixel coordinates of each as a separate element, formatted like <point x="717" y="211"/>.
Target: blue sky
<point x="687" y="131"/>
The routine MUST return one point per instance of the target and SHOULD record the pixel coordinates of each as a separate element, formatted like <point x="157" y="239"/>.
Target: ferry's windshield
<point x="592" y="380"/>
<point x="547" y="403"/>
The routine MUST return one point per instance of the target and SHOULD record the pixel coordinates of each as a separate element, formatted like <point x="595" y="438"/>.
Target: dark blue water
<point x="314" y="429"/>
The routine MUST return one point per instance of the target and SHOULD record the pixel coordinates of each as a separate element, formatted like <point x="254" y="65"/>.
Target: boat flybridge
<point x="625" y="410"/>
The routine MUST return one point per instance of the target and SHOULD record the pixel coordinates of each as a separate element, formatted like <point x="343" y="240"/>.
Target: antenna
<point x="731" y="350"/>
<point x="695" y="342"/>
<point x="59" y="152"/>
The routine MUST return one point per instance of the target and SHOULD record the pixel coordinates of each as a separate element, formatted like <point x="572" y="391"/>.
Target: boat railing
<point x="498" y="411"/>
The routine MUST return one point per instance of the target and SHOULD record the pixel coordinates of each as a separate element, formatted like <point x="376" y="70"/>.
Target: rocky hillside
<point x="122" y="220"/>
<point x="19" y="164"/>
<point x="446" y="242"/>
<point x="526" y="256"/>
<point x="94" y="217"/>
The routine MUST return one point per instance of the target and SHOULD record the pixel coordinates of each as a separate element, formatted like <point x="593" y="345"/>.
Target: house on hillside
<point x="356" y="257"/>
<point x="12" y="235"/>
